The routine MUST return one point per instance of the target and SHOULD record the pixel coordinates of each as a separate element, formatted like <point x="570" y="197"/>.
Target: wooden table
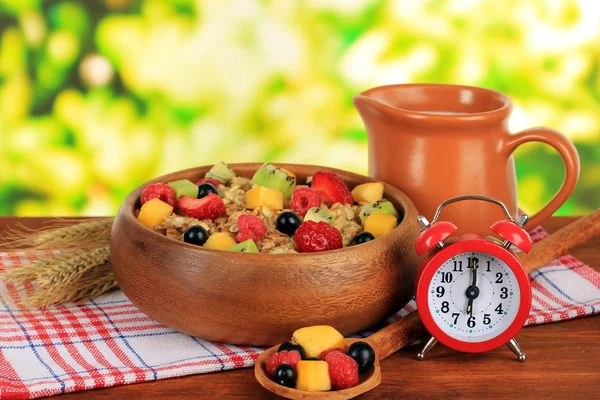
<point x="564" y="362"/>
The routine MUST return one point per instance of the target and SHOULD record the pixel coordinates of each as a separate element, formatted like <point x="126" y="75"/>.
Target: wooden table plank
<point x="564" y="361"/>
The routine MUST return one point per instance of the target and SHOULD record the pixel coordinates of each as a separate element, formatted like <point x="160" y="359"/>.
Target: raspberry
<point x="283" y="357"/>
<point x="343" y="370"/>
<point x="213" y="182"/>
<point x="317" y="236"/>
<point x="250" y="227"/>
<point x="331" y="188"/>
<point x="325" y="352"/>
<point x="303" y="199"/>
<point x="209" y="207"/>
<point x="160" y="191"/>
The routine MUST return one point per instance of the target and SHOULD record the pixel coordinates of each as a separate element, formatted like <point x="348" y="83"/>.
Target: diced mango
<point x="220" y="241"/>
<point x="378" y="224"/>
<point x="316" y="339"/>
<point x="368" y="192"/>
<point x="153" y="212"/>
<point x="287" y="171"/>
<point x="183" y="187"/>
<point x="264" y="197"/>
<point x="313" y="376"/>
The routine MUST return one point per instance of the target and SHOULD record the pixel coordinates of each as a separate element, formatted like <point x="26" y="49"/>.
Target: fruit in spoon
<point x="316" y="339"/>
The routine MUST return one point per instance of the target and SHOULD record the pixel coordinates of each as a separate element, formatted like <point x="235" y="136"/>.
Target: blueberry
<point x="204" y="189"/>
<point x="362" y="237"/>
<point x="288" y="222"/>
<point x="285" y="375"/>
<point x="289" y="346"/>
<point x="195" y="235"/>
<point x="363" y="354"/>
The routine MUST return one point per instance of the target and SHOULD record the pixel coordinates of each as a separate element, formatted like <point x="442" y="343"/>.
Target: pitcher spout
<point x="370" y="107"/>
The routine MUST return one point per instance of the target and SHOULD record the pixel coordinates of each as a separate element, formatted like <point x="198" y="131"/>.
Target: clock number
<point x="446" y="277"/>
<point x="499" y="309"/>
<point x="445" y="307"/>
<point x="471" y="322"/>
<point x="498" y="277"/>
<point x="488" y="267"/>
<point x="457" y="266"/>
<point x="440" y="291"/>
<point x="486" y="319"/>
<point x="455" y="316"/>
<point x="504" y="293"/>
<point x="473" y="262"/>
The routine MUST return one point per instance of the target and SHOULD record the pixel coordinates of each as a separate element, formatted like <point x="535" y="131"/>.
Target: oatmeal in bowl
<point x="269" y="212"/>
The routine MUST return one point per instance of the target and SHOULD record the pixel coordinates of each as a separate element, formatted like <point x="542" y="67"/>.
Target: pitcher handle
<point x="569" y="154"/>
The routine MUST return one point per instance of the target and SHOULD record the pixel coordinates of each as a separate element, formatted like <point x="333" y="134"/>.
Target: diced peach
<point x="153" y="212"/>
<point x="313" y="376"/>
<point x="368" y="192"/>
<point x="316" y="339"/>
<point x="220" y="241"/>
<point x="378" y="224"/>
<point x="264" y="197"/>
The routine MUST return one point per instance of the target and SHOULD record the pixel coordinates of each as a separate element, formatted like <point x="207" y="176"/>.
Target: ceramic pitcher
<point x="439" y="141"/>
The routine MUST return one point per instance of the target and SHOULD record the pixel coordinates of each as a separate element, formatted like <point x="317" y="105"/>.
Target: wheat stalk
<point x="101" y="281"/>
<point x="81" y="272"/>
<point x="84" y="234"/>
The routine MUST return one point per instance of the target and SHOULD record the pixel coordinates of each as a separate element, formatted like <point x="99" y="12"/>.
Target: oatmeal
<point x="269" y="213"/>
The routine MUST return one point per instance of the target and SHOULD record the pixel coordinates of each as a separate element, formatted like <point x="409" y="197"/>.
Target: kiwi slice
<point x="268" y="175"/>
<point x="379" y="206"/>
<point x="221" y="172"/>
<point x="183" y="187"/>
<point x="317" y="214"/>
<point x="247" y="246"/>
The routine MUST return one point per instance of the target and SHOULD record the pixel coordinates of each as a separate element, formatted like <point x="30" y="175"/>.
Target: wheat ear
<point x="75" y="275"/>
<point x="83" y="234"/>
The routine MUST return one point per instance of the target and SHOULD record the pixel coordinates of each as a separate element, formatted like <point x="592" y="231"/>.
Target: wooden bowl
<point x="260" y="299"/>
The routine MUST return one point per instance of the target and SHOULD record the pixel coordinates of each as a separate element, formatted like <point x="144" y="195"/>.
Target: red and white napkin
<point x="108" y="341"/>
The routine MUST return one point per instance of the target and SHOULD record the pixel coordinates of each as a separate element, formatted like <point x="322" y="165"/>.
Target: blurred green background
<point x="98" y="96"/>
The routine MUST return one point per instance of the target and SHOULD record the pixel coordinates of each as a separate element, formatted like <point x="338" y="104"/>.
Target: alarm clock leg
<point x="515" y="348"/>
<point x="427" y="348"/>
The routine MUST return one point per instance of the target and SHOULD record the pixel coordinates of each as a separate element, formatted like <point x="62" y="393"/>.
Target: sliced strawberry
<point x="209" y="207"/>
<point x="213" y="182"/>
<point x="331" y="188"/>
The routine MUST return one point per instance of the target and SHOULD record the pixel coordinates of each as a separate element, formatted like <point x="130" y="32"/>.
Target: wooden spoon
<point x="385" y="342"/>
<point x="408" y="329"/>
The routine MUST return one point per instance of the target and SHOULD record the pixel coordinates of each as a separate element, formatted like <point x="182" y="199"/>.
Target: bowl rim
<point x="409" y="211"/>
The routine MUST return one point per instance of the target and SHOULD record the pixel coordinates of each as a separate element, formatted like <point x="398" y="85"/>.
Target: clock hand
<point x="472" y="290"/>
<point x="470" y="307"/>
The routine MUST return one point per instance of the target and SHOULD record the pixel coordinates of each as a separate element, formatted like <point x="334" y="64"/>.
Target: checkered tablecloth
<point x="108" y="341"/>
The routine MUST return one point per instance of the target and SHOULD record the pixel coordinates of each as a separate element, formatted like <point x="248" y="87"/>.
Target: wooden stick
<point x="561" y="241"/>
<point x="397" y="335"/>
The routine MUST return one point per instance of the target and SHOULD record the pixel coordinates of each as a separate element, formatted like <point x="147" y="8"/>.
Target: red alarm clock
<point x="473" y="294"/>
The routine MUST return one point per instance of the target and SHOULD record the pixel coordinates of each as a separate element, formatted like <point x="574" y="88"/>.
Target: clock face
<point x="474" y="297"/>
